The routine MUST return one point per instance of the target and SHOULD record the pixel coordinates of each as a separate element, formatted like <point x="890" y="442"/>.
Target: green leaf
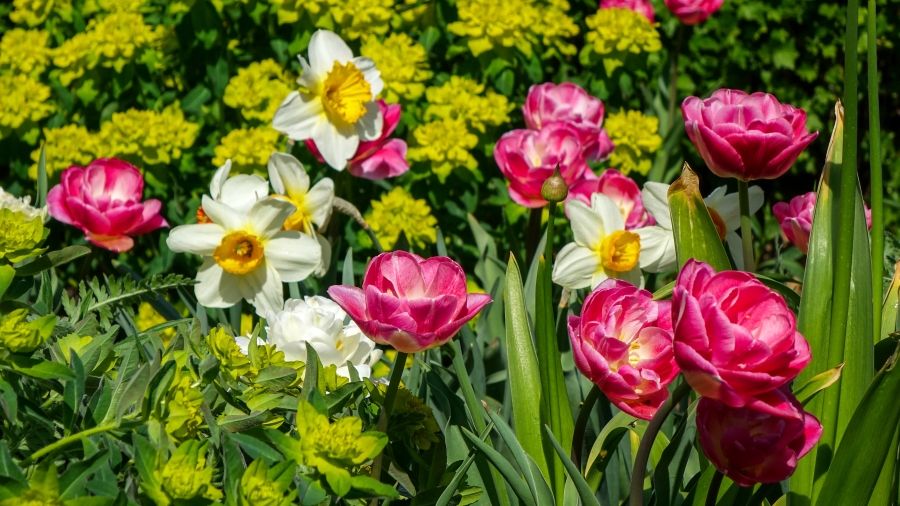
<point x="72" y="482"/>
<point x="237" y="423"/>
<point x="535" y="481"/>
<point x="134" y="392"/>
<point x="889" y="307"/>
<point x="276" y="378"/>
<point x="347" y="273"/>
<point x="46" y="370"/>
<point x="506" y="469"/>
<point x="7" y="273"/>
<point x="42" y="177"/>
<point x="584" y="490"/>
<point x="695" y="233"/>
<point x="371" y="488"/>
<point x="311" y="379"/>
<point x="524" y="378"/>
<point x="697" y="496"/>
<point x="256" y="448"/>
<point x="818" y="383"/>
<point x="52" y="259"/>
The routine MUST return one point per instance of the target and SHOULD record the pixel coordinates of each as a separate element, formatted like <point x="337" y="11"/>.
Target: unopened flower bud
<point x="555" y="188"/>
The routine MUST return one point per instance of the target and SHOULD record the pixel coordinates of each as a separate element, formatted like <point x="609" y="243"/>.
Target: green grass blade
<point x="695" y="233"/>
<point x="506" y="469"/>
<point x="875" y="164"/>
<point x="584" y="491"/>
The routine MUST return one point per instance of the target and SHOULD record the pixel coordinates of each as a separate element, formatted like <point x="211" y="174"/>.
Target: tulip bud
<point x="555" y="188"/>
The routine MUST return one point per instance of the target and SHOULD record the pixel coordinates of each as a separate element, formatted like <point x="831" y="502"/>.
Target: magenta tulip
<point x="410" y="303"/>
<point x="528" y="157"/>
<point x="750" y="446"/>
<point x="623" y="342"/>
<point x="691" y="12"/>
<point x="568" y="103"/>
<point x="378" y="159"/>
<point x="642" y="7"/>
<point x="796" y="219"/>
<point x="735" y="338"/>
<point x="104" y="201"/>
<point x="746" y="136"/>
<point x="620" y="189"/>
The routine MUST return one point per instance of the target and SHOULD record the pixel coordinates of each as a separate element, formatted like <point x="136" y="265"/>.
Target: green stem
<point x="713" y="495"/>
<point x="548" y="246"/>
<point x="643" y="453"/>
<point x="67" y="441"/>
<point x="587" y="407"/>
<point x="844" y="261"/>
<point x="746" y="226"/>
<point x="389" y="396"/>
<point x="375" y="242"/>
<point x="673" y="77"/>
<point x="875" y="168"/>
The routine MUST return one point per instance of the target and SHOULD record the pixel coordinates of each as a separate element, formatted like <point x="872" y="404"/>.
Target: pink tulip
<point x="750" y="446"/>
<point x="796" y="219"/>
<point x="735" y="338"/>
<point x="410" y="303"/>
<point x="378" y="159"/>
<point x="623" y="343"/>
<point x="746" y="136"/>
<point x="691" y="12"/>
<point x="620" y="189"/>
<point x="528" y="157"/>
<point x="642" y="7"/>
<point x="568" y="103"/>
<point x="104" y="201"/>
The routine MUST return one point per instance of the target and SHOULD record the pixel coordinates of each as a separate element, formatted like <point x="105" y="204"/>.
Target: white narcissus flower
<point x="603" y="248"/>
<point x="239" y="192"/>
<point x="247" y="255"/>
<point x="336" y="106"/>
<point x="724" y="209"/>
<point x="320" y="322"/>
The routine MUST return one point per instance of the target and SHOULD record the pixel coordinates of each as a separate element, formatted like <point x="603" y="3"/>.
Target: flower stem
<point x="713" y="495"/>
<point x="389" y="396"/>
<point x="548" y="246"/>
<point x="581" y="424"/>
<point x="673" y="77"/>
<point x="643" y="453"/>
<point x="875" y="168"/>
<point x="746" y="228"/>
<point x="532" y="234"/>
<point x="78" y="436"/>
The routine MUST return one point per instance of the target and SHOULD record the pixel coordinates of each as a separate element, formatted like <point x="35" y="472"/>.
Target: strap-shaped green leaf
<point x="695" y="232"/>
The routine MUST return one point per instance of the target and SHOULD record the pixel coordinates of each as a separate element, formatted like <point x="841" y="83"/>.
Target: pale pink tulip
<point x="735" y="338"/>
<point x="568" y="103"/>
<point x="528" y="157"/>
<point x="378" y="159"/>
<point x="104" y="201"/>
<point x="796" y="219"/>
<point x="623" y="342"/>
<point x="410" y="303"/>
<point x="750" y="446"/>
<point x="620" y="189"/>
<point x="642" y="7"/>
<point x="691" y="12"/>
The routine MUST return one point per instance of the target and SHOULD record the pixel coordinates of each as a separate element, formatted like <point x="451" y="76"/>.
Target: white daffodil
<point x="247" y="255"/>
<point x="336" y="105"/>
<point x="22" y="205"/>
<point x="724" y="208"/>
<point x="320" y="322"/>
<point x="239" y="192"/>
<point x="659" y="236"/>
<point x="603" y="248"/>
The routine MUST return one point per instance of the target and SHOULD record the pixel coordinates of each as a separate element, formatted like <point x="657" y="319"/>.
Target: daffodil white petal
<point x="295" y="255"/>
<point x="287" y="175"/>
<point x="657" y="249"/>
<point x="325" y="48"/>
<point x="371" y="74"/>
<point x="608" y="211"/>
<point x="320" y="201"/>
<point x="369" y="126"/>
<point x="587" y="225"/>
<point x="197" y="239"/>
<point x="325" y="261"/>
<point x="656" y="201"/>
<point x="242" y="191"/>
<point x="307" y="79"/>
<point x="362" y="371"/>
<point x="337" y="144"/>
<point x="222" y="214"/>
<point x="267" y="216"/>
<point x="634" y="276"/>
<point x="216" y="287"/>
<point x="736" y="247"/>
<point x="243" y="343"/>
<point x="299" y="116"/>
<point x="262" y="288"/>
<point x="219" y="178"/>
<point x="728" y="206"/>
<point x="575" y="266"/>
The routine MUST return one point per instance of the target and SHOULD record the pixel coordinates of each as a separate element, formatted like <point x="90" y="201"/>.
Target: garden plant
<point x="449" y="252"/>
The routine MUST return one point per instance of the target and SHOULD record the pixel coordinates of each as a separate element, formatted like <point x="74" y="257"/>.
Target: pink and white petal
<point x="287" y="175"/>
<point x="268" y="215"/>
<point x="56" y="202"/>
<point x="293" y="254"/>
<point x="352" y="300"/>
<point x="215" y="287"/>
<point x="117" y="243"/>
<point x="200" y="239"/>
<point x="88" y="218"/>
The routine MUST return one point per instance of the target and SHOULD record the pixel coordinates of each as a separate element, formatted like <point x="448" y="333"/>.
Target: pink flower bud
<point x="569" y="103"/>
<point x="104" y="201"/>
<point x="623" y="342"/>
<point x="410" y="303"/>
<point x="620" y="189"/>
<point x="746" y="136"/>
<point x="735" y="338"/>
<point x="796" y="219"/>
<point x="642" y="7"/>
<point x="750" y="446"/>
<point x="691" y="12"/>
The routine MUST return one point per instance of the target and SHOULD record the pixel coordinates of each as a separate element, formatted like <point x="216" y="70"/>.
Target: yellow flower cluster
<point x="154" y="137"/>
<point x="636" y="138"/>
<point x="466" y="99"/>
<point x="354" y="17"/>
<point x="617" y="32"/>
<point x="22" y="99"/>
<point x="398" y="211"/>
<point x="258" y="90"/>
<point x="248" y="148"/>
<point x="66" y="146"/>
<point x="25" y="51"/>
<point x="184" y="402"/>
<point x="34" y="12"/>
<point x="403" y="64"/>
<point x="113" y="6"/>
<point x="446" y="144"/>
<point x="290" y="11"/>
<point x="491" y="24"/>
<point x="112" y="41"/>
<point x="148" y="317"/>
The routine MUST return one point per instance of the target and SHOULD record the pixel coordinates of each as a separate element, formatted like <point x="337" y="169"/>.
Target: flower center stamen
<point x="202" y="217"/>
<point x="346" y="92"/>
<point x="620" y="251"/>
<point x="239" y="253"/>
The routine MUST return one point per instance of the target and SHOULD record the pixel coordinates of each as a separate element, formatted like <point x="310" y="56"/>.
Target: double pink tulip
<point x="746" y="136"/>
<point x="568" y="103"/>
<point x="642" y="7"/>
<point x="796" y="219"/>
<point x="622" y="190"/>
<point x="104" y="201"/>
<point x="735" y="338"/>
<point x="528" y="157"/>
<point x="623" y="343"/>
<point x="410" y="303"/>
<point x="691" y="12"/>
<point x="750" y="446"/>
<point x="378" y="159"/>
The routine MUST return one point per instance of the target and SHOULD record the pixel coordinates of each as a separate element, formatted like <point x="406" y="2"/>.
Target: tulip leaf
<point x="605" y="447"/>
<point x="890" y="306"/>
<point x="42" y="177"/>
<point x="584" y="490"/>
<point x="535" y="481"/>
<point x="696" y="235"/>
<point x="52" y="259"/>
<point x="506" y="469"/>
<point x="524" y="378"/>
<point x="818" y="383"/>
